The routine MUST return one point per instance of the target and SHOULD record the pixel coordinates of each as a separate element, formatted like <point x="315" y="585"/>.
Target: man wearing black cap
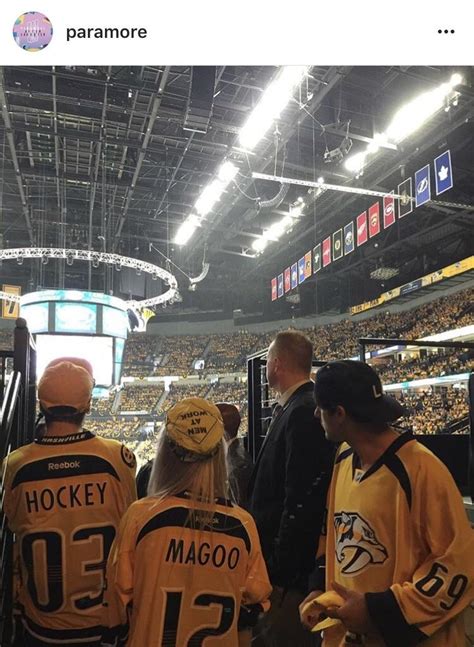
<point x="399" y="546"/>
<point x="64" y="497"/>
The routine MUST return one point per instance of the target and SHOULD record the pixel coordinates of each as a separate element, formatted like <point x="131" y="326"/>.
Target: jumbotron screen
<point x="97" y="350"/>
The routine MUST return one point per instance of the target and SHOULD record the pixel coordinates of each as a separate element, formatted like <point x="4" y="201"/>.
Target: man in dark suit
<point x="288" y="487"/>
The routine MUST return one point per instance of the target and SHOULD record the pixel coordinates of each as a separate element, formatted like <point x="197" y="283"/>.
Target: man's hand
<point x="353" y="613"/>
<point x="309" y="613"/>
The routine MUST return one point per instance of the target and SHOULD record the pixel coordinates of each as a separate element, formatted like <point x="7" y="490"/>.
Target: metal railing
<point x="17" y="421"/>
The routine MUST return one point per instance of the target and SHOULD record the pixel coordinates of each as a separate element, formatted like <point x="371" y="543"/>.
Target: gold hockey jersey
<point x="64" y="498"/>
<point x="399" y="533"/>
<point x="182" y="586"/>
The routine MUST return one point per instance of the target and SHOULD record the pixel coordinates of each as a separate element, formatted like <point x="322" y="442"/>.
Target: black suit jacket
<point x="287" y="490"/>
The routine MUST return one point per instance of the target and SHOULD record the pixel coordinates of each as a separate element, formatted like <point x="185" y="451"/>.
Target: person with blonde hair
<point x="185" y="559"/>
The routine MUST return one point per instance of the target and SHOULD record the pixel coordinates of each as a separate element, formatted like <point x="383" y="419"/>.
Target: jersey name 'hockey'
<point x="184" y="585"/>
<point x="399" y="532"/>
<point x="64" y="498"/>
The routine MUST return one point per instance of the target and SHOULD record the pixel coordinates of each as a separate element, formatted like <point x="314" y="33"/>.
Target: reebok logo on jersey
<point x="356" y="543"/>
<point x="66" y="465"/>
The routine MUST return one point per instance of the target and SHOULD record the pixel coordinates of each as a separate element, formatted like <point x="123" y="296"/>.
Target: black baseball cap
<point x="357" y="387"/>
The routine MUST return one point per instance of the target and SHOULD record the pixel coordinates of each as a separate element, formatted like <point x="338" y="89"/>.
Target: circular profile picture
<point x="32" y="31"/>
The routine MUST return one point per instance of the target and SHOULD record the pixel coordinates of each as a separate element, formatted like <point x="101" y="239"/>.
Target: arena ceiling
<point x="100" y="158"/>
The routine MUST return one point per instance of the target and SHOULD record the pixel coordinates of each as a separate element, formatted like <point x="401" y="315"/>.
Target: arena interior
<point x="220" y="205"/>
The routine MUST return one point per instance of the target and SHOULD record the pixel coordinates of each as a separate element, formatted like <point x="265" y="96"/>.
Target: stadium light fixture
<point x="408" y="119"/>
<point x="186" y="230"/>
<point x="271" y="105"/>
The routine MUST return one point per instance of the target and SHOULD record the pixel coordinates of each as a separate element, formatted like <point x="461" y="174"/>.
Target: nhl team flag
<point x="274" y="289"/>
<point x="388" y="210"/>
<point x="422" y="186"/>
<point x="294" y="276"/>
<point x="374" y="220"/>
<point x="405" y="203"/>
<point x="349" y="238"/>
<point x="317" y="258"/>
<point x="280" y="285"/>
<point x="337" y="244"/>
<point x="362" y="228"/>
<point x="443" y="173"/>
<point x="307" y="265"/>
<point x="301" y="274"/>
<point x="287" y="279"/>
<point x="326" y="251"/>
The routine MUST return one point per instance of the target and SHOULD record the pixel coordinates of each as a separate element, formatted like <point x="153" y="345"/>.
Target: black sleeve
<point x="390" y="622"/>
<point x="308" y="465"/>
<point x="143" y="477"/>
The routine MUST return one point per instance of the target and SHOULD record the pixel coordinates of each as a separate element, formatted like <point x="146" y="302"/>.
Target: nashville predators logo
<point x="356" y="543"/>
<point x="128" y="457"/>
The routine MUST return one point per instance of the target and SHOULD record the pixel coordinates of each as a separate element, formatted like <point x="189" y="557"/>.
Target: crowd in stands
<point x="140" y="397"/>
<point x="227" y="352"/>
<point x="102" y="406"/>
<point x="431" y="412"/>
<point x="449" y="362"/>
<point x="179" y="391"/>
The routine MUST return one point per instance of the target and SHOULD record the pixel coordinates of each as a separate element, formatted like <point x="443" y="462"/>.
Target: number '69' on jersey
<point x="399" y="533"/>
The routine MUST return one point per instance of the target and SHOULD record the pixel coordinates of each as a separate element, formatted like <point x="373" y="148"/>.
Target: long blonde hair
<point x="204" y="481"/>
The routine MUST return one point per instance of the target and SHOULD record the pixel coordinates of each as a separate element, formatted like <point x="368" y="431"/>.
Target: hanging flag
<point x="374" y="220"/>
<point x="301" y="276"/>
<point x="422" y="186"/>
<point x="405" y="203"/>
<point x="317" y="258"/>
<point x="362" y="228"/>
<point x="388" y="210"/>
<point x="326" y="251"/>
<point x="274" y="289"/>
<point x="280" y="285"/>
<point x="443" y="172"/>
<point x="287" y="279"/>
<point x="294" y="276"/>
<point x="11" y="309"/>
<point x="349" y="237"/>
<point x="307" y="265"/>
<point x="337" y="244"/>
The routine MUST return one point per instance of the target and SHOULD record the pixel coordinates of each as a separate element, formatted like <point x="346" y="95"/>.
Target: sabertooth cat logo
<point x="356" y="544"/>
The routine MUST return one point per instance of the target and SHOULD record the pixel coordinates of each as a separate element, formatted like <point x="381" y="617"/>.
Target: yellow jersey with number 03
<point x="183" y="585"/>
<point x="64" y="498"/>
<point x="399" y="533"/>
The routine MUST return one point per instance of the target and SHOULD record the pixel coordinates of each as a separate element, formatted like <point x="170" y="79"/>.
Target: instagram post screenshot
<point x="237" y="324"/>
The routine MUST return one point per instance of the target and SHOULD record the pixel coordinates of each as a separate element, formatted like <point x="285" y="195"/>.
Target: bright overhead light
<point x="227" y="172"/>
<point x="272" y="103"/>
<point x="209" y="197"/>
<point x="355" y="162"/>
<point x="416" y="112"/>
<point x="259" y="244"/>
<point x="456" y="79"/>
<point x="320" y="180"/>
<point x="186" y="230"/>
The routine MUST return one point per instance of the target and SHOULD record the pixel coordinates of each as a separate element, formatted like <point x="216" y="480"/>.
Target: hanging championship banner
<point x="374" y="220"/>
<point x="317" y="258"/>
<point x="388" y="210"/>
<point x="11" y="309"/>
<point x="307" y="265"/>
<point x="301" y="276"/>
<point x="287" y="279"/>
<point x="326" y="251"/>
<point x="422" y="186"/>
<point x="337" y="244"/>
<point x="362" y="228"/>
<point x="405" y="203"/>
<point x="294" y="276"/>
<point x="443" y="172"/>
<point x="280" y="285"/>
<point x="274" y="289"/>
<point x="349" y="238"/>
